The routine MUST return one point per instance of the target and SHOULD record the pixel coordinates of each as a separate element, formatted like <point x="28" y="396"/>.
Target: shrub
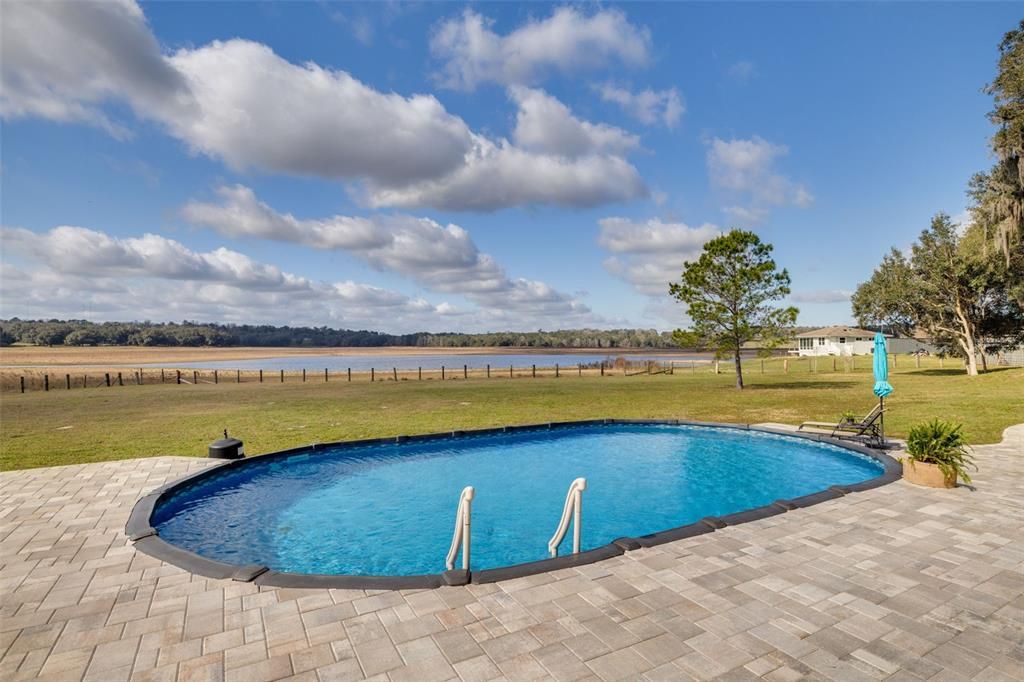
<point x="941" y="443"/>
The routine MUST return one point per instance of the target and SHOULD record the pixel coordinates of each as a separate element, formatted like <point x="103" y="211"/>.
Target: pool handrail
<point x="573" y="510"/>
<point x="462" y="530"/>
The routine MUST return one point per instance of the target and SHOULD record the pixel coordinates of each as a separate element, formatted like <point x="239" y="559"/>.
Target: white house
<point x="835" y="341"/>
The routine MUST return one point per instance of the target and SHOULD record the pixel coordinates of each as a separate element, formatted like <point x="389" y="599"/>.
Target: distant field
<point x="67" y="427"/>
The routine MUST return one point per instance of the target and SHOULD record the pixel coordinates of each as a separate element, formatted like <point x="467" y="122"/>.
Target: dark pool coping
<point x="147" y="540"/>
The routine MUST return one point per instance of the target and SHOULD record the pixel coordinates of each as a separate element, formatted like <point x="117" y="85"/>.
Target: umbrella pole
<point x="881" y="418"/>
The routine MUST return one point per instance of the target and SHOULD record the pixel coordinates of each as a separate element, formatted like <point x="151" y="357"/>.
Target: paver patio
<point x="896" y="583"/>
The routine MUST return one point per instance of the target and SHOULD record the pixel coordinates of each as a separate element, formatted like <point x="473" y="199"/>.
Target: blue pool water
<point x="390" y="509"/>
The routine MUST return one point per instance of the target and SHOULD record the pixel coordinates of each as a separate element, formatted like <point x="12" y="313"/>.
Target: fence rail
<point x="23" y="381"/>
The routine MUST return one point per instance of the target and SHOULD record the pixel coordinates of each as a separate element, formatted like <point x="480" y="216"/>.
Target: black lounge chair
<point x="868" y="429"/>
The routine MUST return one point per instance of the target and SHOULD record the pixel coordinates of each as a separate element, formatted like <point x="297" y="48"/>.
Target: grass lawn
<point x="69" y="427"/>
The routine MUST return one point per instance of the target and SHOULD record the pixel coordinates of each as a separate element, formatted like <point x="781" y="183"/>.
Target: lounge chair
<point x="866" y="429"/>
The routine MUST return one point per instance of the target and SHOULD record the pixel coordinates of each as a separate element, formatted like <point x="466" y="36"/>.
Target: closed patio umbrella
<point x="882" y="385"/>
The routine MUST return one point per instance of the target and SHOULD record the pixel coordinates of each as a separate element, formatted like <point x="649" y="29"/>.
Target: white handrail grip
<point x="462" y="530"/>
<point x="571" y="510"/>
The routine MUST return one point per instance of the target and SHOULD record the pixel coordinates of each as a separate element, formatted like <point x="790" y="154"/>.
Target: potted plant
<point x="848" y="417"/>
<point x="937" y="455"/>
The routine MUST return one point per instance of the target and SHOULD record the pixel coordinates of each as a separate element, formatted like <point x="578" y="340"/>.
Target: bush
<point x="941" y="443"/>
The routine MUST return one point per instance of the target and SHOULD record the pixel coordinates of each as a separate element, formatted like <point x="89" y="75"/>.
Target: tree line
<point x="194" y="334"/>
<point x="964" y="284"/>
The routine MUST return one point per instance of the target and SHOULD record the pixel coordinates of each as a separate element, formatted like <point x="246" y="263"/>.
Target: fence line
<point x="55" y="381"/>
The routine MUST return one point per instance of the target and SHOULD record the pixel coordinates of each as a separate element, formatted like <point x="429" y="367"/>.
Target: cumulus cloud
<point x="60" y="60"/>
<point x="443" y="258"/>
<point x="647" y="106"/>
<point x="651" y="254"/>
<point x="90" y="273"/>
<point x="499" y="174"/>
<point x="546" y="125"/>
<point x="822" y="296"/>
<point x="239" y="102"/>
<point x="568" y="41"/>
<point x="746" y="168"/>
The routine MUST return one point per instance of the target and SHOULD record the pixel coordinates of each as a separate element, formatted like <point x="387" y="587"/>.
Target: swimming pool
<point x="387" y="508"/>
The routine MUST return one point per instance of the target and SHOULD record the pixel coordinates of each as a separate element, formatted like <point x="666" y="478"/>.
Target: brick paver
<point x="896" y="583"/>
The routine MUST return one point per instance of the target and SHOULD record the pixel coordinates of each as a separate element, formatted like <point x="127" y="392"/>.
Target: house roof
<point x="837" y="331"/>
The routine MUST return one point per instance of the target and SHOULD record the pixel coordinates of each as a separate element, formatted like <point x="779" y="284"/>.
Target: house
<point x="841" y="340"/>
<point x="835" y="341"/>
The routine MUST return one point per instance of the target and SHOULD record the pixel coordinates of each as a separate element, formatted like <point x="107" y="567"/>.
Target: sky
<point x="471" y="167"/>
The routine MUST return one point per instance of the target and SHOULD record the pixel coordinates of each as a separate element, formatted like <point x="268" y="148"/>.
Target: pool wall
<point x="146" y="539"/>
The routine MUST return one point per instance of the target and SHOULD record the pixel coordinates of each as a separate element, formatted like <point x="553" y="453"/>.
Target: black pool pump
<point x="226" y="448"/>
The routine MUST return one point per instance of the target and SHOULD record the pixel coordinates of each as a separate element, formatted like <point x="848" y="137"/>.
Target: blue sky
<point x="472" y="167"/>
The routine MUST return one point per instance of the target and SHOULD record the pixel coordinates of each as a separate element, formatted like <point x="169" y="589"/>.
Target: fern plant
<point x="941" y="443"/>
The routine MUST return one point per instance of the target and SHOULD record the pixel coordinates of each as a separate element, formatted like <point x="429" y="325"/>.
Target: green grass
<point x="68" y="427"/>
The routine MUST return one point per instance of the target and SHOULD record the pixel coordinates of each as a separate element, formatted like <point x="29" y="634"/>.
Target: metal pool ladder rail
<point x="462" y="527"/>
<point x="573" y="505"/>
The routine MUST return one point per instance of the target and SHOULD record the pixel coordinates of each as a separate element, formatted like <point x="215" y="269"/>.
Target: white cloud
<point x="60" y="60"/>
<point x="239" y="102"/>
<point x="822" y="296"/>
<point x="568" y="41"/>
<point x="747" y="168"/>
<point x="546" y="125"/>
<point x="87" y="273"/>
<point x="649" y="255"/>
<point x="499" y="174"/>
<point x="258" y="110"/>
<point x="647" y="106"/>
<point x="441" y="258"/>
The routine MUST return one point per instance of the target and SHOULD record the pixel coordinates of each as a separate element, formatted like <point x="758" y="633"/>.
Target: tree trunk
<point x="739" y="371"/>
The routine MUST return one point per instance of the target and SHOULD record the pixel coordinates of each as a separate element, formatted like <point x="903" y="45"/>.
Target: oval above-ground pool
<point x="387" y="508"/>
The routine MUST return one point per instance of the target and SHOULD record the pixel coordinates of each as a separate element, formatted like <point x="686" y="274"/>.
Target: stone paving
<point x="897" y="583"/>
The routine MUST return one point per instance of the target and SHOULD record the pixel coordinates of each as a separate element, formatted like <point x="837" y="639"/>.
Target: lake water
<point x="358" y="363"/>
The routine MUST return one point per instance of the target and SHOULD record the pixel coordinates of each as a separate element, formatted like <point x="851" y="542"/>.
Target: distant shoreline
<point x="130" y="356"/>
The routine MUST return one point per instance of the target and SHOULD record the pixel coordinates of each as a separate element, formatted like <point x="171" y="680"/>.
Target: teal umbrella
<point x="882" y="385"/>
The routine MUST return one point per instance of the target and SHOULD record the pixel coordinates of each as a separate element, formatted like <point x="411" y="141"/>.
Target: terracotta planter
<point x="930" y="475"/>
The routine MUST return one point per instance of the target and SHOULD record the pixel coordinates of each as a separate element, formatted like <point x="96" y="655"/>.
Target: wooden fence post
<point x="106" y="375"/>
<point x="303" y="375"/>
<point x="535" y="371"/>
<point x="372" y="378"/>
<point x="419" y="373"/>
<point x="282" y="376"/>
<point x="602" y="368"/>
<point x="22" y="384"/>
<point x="120" y="381"/>
<point x="556" y="370"/>
<point x="510" y="372"/>
<point x="465" y="372"/>
<point x="238" y="376"/>
<point x="579" y="369"/>
<point x="178" y="371"/>
<point x="261" y="376"/>
<point x="672" y="367"/>
<point x="349" y="372"/>
<point x="325" y="375"/>
<point x="161" y="375"/>
<point x="394" y="372"/>
<point x="67" y="377"/>
<point x="216" y="380"/>
<point x="140" y="376"/>
<point x="46" y="382"/>
<point x="195" y="378"/>
<point x="488" y="371"/>
<point x="442" y="372"/>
